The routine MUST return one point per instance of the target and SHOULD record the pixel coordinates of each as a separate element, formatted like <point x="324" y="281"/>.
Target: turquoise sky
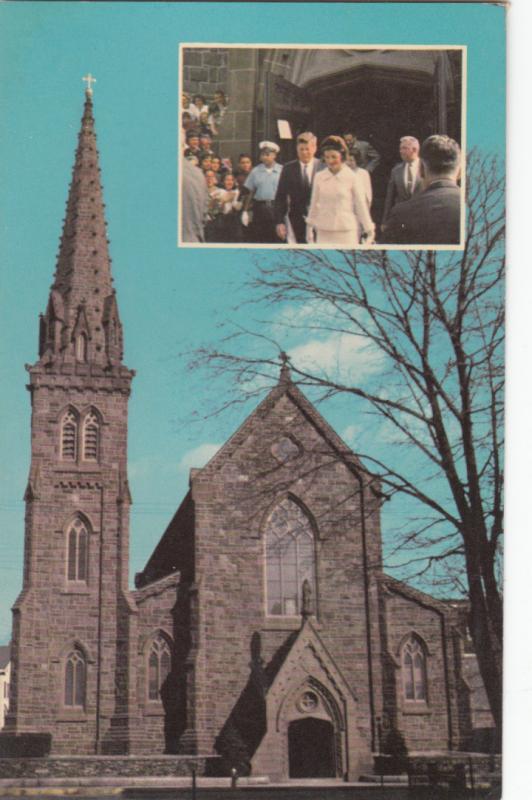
<point x="170" y="300"/>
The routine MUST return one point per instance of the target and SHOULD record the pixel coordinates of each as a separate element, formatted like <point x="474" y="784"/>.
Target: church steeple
<point x="81" y="323"/>
<point x="75" y="620"/>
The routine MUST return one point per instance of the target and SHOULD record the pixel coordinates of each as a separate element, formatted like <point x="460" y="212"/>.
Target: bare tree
<point x="434" y="321"/>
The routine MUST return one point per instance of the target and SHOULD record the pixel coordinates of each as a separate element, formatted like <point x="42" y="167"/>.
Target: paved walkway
<point x="218" y="789"/>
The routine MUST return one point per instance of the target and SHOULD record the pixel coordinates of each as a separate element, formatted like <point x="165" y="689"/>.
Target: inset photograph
<point x="319" y="146"/>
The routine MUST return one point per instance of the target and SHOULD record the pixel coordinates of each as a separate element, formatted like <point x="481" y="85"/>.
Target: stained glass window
<point x="91" y="437"/>
<point x="69" y="436"/>
<point x="159" y="665"/>
<point x="75" y="679"/>
<point x="414" y="670"/>
<point x="290" y="558"/>
<point x="77" y="543"/>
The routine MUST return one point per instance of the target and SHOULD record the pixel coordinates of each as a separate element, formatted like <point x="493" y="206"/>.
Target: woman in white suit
<point x="339" y="211"/>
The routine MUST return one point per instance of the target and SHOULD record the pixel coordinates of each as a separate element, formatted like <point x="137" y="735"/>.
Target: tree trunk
<point x="486" y="634"/>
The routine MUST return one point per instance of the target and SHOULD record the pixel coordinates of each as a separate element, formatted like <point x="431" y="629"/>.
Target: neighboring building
<point x="262" y="627"/>
<point x="483" y="735"/>
<point x="5" y="670"/>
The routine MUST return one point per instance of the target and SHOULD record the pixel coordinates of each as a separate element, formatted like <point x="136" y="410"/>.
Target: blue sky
<point x="170" y="300"/>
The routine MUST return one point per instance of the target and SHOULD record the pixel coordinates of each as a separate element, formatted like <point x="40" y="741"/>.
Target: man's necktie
<point x="409" y="179"/>
<point x="306" y="181"/>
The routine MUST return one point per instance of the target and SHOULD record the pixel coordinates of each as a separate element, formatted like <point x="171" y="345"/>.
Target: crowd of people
<point x="197" y="114"/>
<point x="322" y="197"/>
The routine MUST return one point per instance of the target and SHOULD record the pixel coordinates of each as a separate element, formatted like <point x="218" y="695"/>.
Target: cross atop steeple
<point x="89" y="80"/>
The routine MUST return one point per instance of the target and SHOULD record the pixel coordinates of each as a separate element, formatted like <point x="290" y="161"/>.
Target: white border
<point x="517" y="671"/>
<point x="277" y="46"/>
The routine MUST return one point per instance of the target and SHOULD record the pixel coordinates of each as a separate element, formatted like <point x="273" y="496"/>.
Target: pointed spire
<point x="124" y="494"/>
<point x="284" y="373"/>
<point x="31" y="492"/>
<point x="83" y="245"/>
<point x="82" y="288"/>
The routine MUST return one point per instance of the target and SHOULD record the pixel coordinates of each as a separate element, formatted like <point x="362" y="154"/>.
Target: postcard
<point x="253" y="308"/>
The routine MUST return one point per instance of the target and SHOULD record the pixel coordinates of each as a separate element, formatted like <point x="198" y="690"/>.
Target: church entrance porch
<point x="311" y="750"/>
<point x="314" y="724"/>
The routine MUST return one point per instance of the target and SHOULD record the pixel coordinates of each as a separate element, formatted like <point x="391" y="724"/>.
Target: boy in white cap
<point x="262" y="182"/>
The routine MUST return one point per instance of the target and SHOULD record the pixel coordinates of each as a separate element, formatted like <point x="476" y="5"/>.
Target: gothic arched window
<point x="159" y="665"/>
<point x="81" y="347"/>
<point x="91" y="437"/>
<point x="69" y="436"/>
<point x="414" y="668"/>
<point x="75" y="679"/>
<point x="290" y="558"/>
<point x="77" y="551"/>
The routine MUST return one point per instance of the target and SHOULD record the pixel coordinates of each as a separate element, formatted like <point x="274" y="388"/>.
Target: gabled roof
<point x="286" y="388"/>
<point x="308" y="637"/>
<point x="423" y="599"/>
<point x="156" y="587"/>
<point x="179" y="524"/>
<point x="174" y="541"/>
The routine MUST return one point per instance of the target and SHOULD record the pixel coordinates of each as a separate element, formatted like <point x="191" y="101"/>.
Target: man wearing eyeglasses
<point x="292" y="199"/>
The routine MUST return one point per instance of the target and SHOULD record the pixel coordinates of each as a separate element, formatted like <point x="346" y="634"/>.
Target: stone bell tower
<point x="72" y="621"/>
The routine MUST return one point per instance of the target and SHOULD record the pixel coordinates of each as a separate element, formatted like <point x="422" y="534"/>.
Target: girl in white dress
<point x="338" y="208"/>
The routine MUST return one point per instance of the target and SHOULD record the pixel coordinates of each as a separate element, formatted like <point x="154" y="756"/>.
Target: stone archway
<point x="311" y="748"/>
<point x="413" y="91"/>
<point x="378" y="94"/>
<point x="310" y="705"/>
<point x="314" y="732"/>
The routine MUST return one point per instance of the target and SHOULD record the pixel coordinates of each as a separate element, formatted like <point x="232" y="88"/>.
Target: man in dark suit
<point x="405" y="180"/>
<point x="295" y="188"/>
<point x="363" y="152"/>
<point x="433" y="215"/>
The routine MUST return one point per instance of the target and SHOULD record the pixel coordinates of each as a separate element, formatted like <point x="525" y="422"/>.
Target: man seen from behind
<point x="432" y="216"/>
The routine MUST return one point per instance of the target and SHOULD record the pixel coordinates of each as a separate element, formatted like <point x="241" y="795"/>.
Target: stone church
<point x="262" y="630"/>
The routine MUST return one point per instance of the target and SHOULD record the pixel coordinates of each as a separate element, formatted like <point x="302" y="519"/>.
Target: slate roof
<point x="424" y="599"/>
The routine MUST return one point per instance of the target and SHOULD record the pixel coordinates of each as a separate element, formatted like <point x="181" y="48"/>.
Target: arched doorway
<point x="384" y="95"/>
<point x="311" y="748"/>
<point x="379" y="95"/>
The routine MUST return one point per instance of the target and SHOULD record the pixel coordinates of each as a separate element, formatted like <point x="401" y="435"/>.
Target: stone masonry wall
<point x="205" y="70"/>
<point x="99" y="766"/>
<point x="237" y="132"/>
<point x="155" y="603"/>
<point x="425" y="726"/>
<point x="233" y="497"/>
<point x="54" y="615"/>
